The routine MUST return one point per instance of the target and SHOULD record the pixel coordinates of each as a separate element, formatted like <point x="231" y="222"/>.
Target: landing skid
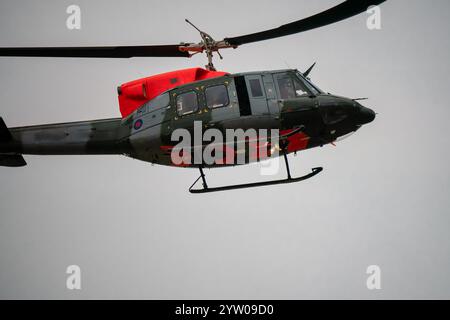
<point x="289" y="179"/>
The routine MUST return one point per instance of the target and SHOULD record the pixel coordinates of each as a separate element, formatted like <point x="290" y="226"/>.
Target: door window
<point x="187" y="103"/>
<point x="217" y="96"/>
<point x="255" y="88"/>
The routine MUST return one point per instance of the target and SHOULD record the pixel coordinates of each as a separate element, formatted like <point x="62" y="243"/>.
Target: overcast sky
<point x="136" y="232"/>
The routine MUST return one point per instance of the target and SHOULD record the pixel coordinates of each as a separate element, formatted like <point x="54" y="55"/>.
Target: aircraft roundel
<point x="138" y="124"/>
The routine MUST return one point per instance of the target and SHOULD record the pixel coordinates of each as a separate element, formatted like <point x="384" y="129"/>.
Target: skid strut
<point x="289" y="179"/>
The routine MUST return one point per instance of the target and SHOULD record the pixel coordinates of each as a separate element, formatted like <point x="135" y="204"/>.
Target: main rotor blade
<point x="340" y="12"/>
<point x="97" y="52"/>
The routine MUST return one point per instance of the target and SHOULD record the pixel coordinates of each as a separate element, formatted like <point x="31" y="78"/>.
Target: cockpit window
<point x="291" y="87"/>
<point x="286" y="87"/>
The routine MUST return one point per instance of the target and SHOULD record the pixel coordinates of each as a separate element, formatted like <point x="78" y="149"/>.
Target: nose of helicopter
<point x="365" y="115"/>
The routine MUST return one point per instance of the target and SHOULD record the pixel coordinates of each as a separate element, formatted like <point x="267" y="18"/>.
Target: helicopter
<point x="284" y="104"/>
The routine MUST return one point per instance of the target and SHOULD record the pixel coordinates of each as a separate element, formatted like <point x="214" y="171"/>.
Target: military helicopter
<point x="152" y="108"/>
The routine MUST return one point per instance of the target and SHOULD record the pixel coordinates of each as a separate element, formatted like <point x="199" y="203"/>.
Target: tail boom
<point x="74" y="138"/>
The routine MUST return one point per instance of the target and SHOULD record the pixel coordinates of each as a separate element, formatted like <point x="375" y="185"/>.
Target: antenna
<point x="306" y="73"/>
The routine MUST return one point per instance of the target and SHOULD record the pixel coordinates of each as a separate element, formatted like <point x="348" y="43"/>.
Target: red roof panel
<point x="134" y="94"/>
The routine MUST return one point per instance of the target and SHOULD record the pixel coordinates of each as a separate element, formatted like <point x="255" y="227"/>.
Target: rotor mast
<point x="207" y="45"/>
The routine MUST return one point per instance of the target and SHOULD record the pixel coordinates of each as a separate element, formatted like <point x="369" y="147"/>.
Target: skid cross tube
<point x="205" y="185"/>
<point x="289" y="179"/>
<point x="288" y="170"/>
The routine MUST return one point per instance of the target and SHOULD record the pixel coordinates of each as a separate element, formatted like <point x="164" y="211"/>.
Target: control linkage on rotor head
<point x="207" y="44"/>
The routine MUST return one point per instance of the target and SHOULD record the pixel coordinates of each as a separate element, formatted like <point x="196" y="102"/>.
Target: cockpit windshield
<point x="312" y="87"/>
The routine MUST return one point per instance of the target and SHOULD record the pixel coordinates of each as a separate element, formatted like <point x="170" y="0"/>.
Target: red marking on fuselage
<point x="296" y="142"/>
<point x="259" y="150"/>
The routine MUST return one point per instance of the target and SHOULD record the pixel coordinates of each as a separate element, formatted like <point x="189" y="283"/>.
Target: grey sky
<point x="134" y="229"/>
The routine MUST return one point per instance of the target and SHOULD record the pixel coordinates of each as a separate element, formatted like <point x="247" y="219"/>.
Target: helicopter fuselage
<point x="280" y="100"/>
